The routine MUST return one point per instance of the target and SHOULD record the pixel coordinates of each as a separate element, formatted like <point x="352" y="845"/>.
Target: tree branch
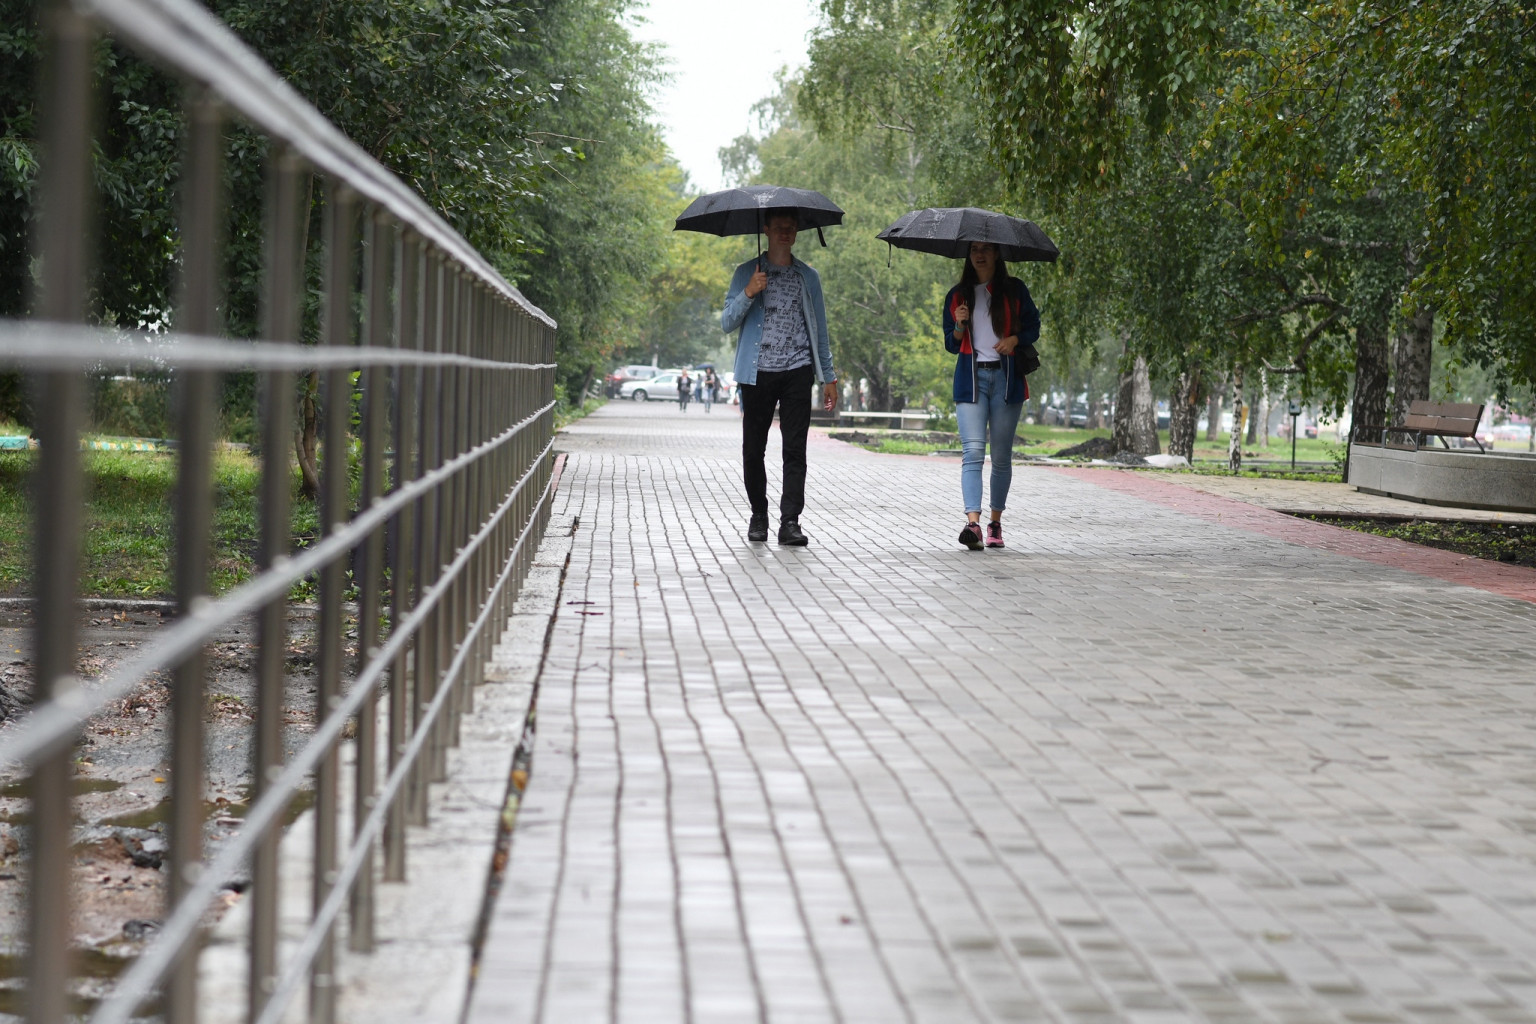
<point x="1299" y="363"/>
<point x="1299" y="303"/>
<point x="1344" y="243"/>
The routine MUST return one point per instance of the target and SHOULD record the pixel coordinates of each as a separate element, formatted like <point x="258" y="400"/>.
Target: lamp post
<point x="1295" y="411"/>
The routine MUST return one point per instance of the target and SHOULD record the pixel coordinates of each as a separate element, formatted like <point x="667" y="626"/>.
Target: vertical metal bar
<point x="428" y="535"/>
<point x="280" y="323"/>
<point x="340" y="212"/>
<point x="483" y="483"/>
<point x="448" y="633"/>
<point x="473" y="518"/>
<point x="490" y="494"/>
<point x="497" y="405"/>
<point x="66" y="124"/>
<point x="379" y="246"/>
<point x="463" y="504"/>
<point x="403" y="551"/>
<point x="201" y="219"/>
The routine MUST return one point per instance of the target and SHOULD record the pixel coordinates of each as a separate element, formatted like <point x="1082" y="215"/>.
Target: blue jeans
<point x="988" y="415"/>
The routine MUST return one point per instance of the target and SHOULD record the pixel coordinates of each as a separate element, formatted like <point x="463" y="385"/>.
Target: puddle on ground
<point x="160" y="813"/>
<point x="79" y="785"/>
<point x="87" y="965"/>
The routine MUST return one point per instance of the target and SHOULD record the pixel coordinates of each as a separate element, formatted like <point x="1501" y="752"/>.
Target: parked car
<point x="1055" y="415"/>
<point x="613" y="381"/>
<point x="662" y="387"/>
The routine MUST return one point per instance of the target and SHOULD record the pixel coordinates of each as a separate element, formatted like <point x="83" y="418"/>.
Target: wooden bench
<point x="1438" y="419"/>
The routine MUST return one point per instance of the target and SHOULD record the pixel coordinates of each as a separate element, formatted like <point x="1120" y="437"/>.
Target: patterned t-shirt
<point x="786" y="343"/>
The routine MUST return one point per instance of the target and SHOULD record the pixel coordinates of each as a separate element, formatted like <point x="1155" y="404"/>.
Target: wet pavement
<point x="1168" y="756"/>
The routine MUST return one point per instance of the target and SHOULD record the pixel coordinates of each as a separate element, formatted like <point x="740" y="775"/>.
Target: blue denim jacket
<point x="747" y="315"/>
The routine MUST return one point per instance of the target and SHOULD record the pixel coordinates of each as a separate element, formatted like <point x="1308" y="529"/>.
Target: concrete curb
<point x="428" y="927"/>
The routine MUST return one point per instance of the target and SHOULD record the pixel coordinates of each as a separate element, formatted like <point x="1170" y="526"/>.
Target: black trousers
<point x="790" y="392"/>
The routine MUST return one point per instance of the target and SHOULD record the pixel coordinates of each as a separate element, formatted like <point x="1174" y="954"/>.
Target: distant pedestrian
<point x="710" y="386"/>
<point x="684" y="390"/>
<point x="782" y="350"/>
<point x="990" y="385"/>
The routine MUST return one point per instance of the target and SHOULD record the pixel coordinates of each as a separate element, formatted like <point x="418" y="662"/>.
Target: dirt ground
<point x="122" y="781"/>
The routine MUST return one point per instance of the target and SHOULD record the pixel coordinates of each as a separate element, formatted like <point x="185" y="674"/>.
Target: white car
<point x="662" y="387"/>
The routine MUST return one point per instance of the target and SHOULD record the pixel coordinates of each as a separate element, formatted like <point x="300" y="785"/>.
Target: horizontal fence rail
<point x="452" y="371"/>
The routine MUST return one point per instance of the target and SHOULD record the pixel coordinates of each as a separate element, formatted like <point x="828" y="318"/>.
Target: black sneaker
<point x="757" y="528"/>
<point x="790" y="535"/>
<point x="971" y="536"/>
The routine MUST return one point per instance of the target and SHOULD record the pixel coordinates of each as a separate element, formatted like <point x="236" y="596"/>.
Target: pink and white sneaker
<point x="994" y="534"/>
<point x="970" y="536"/>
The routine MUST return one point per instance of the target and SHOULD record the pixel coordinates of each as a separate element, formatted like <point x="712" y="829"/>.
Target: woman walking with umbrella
<point x="991" y="325"/>
<point x="987" y="316"/>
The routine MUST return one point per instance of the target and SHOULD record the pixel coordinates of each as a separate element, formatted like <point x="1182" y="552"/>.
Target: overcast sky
<point x="723" y="58"/>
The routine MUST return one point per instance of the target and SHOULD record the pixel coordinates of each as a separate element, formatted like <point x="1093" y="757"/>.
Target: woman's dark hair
<point x="968" y="283"/>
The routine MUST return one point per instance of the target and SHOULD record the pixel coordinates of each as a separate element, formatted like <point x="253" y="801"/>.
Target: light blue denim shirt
<point x="746" y="315"/>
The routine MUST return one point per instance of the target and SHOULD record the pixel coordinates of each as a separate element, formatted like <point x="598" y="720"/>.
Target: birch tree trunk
<point x="1213" y="413"/>
<point x="1263" y="412"/>
<point x="1143" y="411"/>
<point x="1122" y="433"/>
<point x="1368" y="409"/>
<point x="1415" y="350"/>
<point x="1183" y="413"/>
<point x="1252" y="434"/>
<point x="1239" y="420"/>
<point x="307" y="438"/>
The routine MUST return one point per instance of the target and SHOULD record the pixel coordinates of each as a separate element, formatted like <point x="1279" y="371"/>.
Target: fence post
<point x="202" y="216"/>
<point x="403" y="551"/>
<point x="340" y="208"/>
<point x="66" y="125"/>
<point x="378" y="247"/>
<point x="282" y="287"/>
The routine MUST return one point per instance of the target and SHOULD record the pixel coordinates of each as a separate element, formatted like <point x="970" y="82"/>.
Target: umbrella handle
<point x="822" y="237"/>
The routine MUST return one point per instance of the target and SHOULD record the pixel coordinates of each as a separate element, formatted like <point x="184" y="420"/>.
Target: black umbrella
<point x="740" y="211"/>
<point x="949" y="231"/>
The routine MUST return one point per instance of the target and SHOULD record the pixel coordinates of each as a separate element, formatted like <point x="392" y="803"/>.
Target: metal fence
<point x="456" y="387"/>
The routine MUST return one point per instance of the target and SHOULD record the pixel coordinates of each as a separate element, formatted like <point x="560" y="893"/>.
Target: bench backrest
<point x="1448" y="419"/>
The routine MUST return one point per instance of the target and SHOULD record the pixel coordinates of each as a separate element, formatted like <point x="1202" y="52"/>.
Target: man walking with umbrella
<point x="776" y="305"/>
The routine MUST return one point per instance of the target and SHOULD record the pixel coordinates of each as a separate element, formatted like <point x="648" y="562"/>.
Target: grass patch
<point x="566" y="414"/>
<point x="15" y="522"/>
<point x="903" y="446"/>
<point x="1276" y="471"/>
<point x="1038" y="439"/>
<point x="1512" y="543"/>
<point x="129" y="524"/>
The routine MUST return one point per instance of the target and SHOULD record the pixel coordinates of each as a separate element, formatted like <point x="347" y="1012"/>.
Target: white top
<point x="983" y="337"/>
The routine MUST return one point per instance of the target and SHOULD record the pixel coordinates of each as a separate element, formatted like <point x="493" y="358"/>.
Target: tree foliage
<point x="1303" y="185"/>
<point x="1066" y="90"/>
<point x="525" y="126"/>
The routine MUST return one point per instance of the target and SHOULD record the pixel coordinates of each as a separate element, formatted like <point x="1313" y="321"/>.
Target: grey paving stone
<point x="1140" y="765"/>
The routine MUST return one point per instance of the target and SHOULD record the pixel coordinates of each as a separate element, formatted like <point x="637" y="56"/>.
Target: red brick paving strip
<point x="1514" y="581"/>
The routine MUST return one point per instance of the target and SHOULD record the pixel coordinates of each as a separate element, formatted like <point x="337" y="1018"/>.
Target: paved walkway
<point x="1167" y="757"/>
<point x="1337" y="499"/>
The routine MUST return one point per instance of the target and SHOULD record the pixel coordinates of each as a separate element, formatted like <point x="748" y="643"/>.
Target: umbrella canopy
<point x="740" y="211"/>
<point x="949" y="231"/>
